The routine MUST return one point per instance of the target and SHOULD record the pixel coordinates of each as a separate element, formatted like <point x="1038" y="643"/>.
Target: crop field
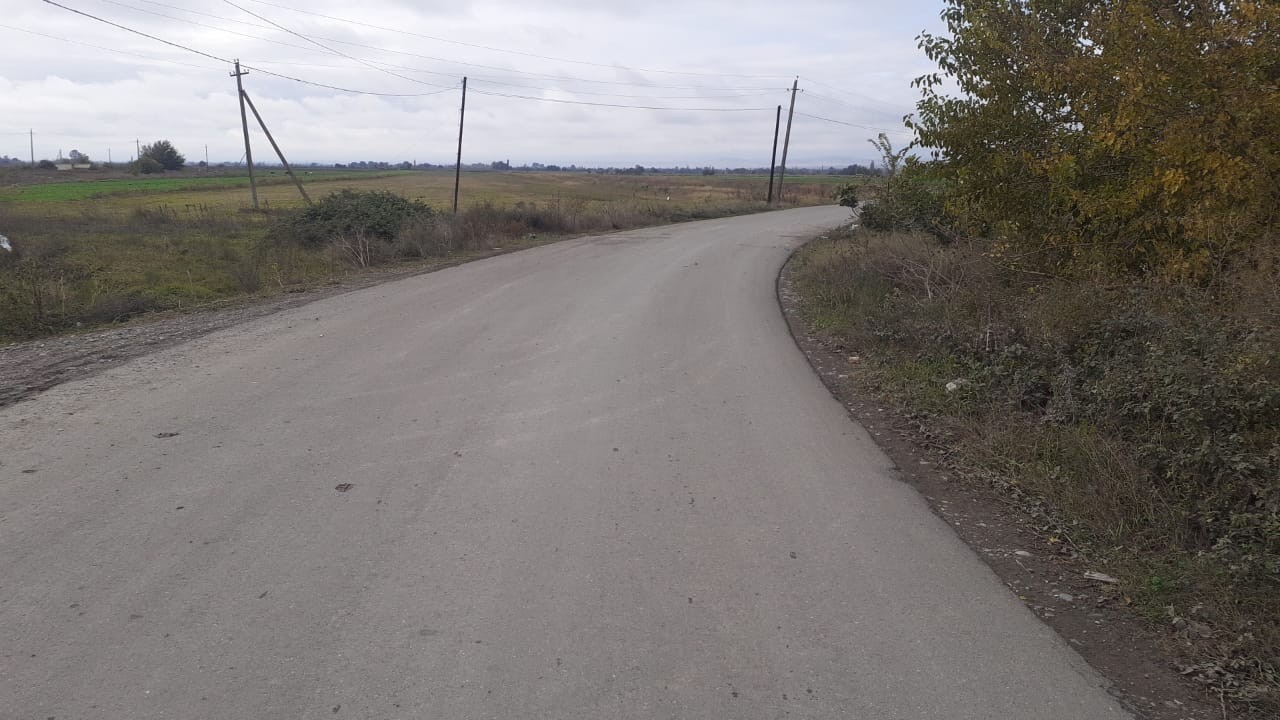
<point x="94" y="251"/>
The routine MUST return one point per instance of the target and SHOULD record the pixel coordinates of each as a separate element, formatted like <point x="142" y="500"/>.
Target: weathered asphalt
<point x="590" y="480"/>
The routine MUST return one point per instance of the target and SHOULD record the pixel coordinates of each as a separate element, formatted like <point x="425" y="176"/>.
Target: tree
<point x="1141" y="134"/>
<point x="163" y="152"/>
<point x="77" y="157"/>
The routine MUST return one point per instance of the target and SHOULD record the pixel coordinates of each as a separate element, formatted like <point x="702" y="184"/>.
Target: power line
<point x="855" y="96"/>
<point x="325" y="47"/>
<point x="566" y="78"/>
<point x="513" y="52"/>
<point x="224" y="60"/>
<point x="842" y="122"/>
<point x="615" y="105"/>
<point x="99" y="47"/>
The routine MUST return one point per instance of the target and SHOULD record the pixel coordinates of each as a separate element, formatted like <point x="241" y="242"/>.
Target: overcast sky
<point x="83" y="84"/>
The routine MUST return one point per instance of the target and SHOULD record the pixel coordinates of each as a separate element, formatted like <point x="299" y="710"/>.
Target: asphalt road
<point x="590" y="480"/>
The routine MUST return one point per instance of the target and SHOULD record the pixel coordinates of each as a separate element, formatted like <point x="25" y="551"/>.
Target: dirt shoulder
<point x="1044" y="572"/>
<point x="30" y="367"/>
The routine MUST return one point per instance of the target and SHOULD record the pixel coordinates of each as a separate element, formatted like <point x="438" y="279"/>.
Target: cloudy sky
<point x="544" y="78"/>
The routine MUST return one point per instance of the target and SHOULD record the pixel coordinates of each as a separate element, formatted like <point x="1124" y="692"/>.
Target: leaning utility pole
<point x="773" y="159"/>
<point x="786" y="143"/>
<point x="244" y="125"/>
<point x="457" y="169"/>
<point x="244" y="96"/>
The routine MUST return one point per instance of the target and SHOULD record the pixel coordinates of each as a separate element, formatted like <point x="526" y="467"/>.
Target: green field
<point x="93" y="251"/>
<point x="71" y="190"/>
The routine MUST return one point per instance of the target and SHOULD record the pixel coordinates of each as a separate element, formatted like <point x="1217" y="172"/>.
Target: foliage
<point x="847" y="195"/>
<point x="912" y="199"/>
<point x="1146" y="414"/>
<point x="164" y="153"/>
<point x="1142" y="135"/>
<point x="47" y="165"/>
<point x="377" y="214"/>
<point x="148" y="165"/>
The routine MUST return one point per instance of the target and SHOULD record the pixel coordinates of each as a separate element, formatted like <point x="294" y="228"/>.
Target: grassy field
<point x="96" y="251"/>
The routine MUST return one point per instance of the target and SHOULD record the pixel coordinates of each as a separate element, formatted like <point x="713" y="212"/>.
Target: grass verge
<point x="83" y="259"/>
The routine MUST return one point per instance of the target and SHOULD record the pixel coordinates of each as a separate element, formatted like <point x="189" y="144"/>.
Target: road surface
<point x="591" y="480"/>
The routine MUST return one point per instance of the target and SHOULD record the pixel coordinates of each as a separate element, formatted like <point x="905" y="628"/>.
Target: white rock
<point x="4" y="244"/>
<point x="956" y="384"/>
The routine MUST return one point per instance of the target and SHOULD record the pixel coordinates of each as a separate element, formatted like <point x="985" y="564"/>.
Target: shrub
<point x="148" y="165"/>
<point x="378" y="214"/>
<point x="847" y="195"/>
<point x="1145" y="414"/>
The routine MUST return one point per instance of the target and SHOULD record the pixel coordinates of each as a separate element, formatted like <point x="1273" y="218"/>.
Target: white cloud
<point x="93" y="99"/>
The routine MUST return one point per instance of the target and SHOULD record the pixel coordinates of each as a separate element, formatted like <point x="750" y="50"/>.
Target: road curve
<point x="591" y="480"/>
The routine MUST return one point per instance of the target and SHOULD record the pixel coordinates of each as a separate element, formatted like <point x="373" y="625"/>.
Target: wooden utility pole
<point x="244" y="125"/>
<point x="786" y="143"/>
<point x="296" y="180"/>
<point x="457" y="168"/>
<point x="32" y="133"/>
<point x="137" y="146"/>
<point x="773" y="159"/>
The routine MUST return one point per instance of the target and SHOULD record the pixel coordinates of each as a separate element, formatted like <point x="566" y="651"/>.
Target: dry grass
<point x="97" y="252"/>
<point x="1139" y="418"/>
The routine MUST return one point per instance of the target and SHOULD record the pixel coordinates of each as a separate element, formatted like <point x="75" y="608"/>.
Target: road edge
<point x="1112" y="640"/>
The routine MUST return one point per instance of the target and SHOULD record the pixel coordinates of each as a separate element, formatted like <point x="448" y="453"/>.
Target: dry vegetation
<point x="1140" y="420"/>
<point x="97" y="252"/>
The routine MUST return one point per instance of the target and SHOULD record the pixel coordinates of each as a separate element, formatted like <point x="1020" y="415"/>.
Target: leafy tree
<point x="1144" y="134"/>
<point x="163" y="152"/>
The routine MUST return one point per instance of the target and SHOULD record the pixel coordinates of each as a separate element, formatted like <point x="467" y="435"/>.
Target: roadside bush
<point x="847" y="195"/>
<point x="912" y="200"/>
<point x="376" y="213"/>
<point x="1144" y="415"/>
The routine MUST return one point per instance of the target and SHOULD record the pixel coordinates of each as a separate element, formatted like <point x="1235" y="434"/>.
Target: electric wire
<point x="224" y="60"/>
<point x="512" y="52"/>
<point x="366" y="46"/>
<point x="325" y="47"/>
<point x="342" y="89"/>
<point x="615" y="105"/>
<point x="100" y="47"/>
<point x="842" y="122"/>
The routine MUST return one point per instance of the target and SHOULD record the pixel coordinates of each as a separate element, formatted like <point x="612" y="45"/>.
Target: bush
<point x="847" y="195"/>
<point x="149" y="165"/>
<point x="1145" y="415"/>
<point x="377" y="214"/>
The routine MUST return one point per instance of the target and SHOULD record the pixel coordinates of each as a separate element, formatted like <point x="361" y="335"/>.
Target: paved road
<point x="590" y="480"/>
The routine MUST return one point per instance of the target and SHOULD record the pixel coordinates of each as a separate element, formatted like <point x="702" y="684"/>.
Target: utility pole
<point x="296" y="180"/>
<point x="457" y="168"/>
<point x="786" y="143"/>
<point x="136" y="146"/>
<point x="32" y="132"/>
<point x="244" y="125"/>
<point x="108" y="156"/>
<point x="206" y="157"/>
<point x="773" y="159"/>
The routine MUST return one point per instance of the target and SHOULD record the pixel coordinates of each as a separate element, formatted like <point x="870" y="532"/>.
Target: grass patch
<point x="94" y="252"/>
<point x="1140" y="418"/>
